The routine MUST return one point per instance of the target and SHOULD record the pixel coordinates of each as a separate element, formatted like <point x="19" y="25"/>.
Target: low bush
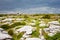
<point x="18" y="23"/>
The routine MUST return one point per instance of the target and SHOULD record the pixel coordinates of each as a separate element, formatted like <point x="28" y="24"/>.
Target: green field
<point x="12" y="25"/>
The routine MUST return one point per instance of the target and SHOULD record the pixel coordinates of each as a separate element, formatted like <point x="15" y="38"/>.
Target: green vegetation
<point x="36" y="32"/>
<point x="17" y="37"/>
<point x="14" y="35"/>
<point x="10" y="32"/>
<point x="55" y="37"/>
<point x="28" y="19"/>
<point x="6" y="26"/>
<point x="46" y="17"/>
<point x="18" y="23"/>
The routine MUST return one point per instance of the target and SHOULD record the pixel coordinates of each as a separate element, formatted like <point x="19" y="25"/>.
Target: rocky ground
<point x="29" y="28"/>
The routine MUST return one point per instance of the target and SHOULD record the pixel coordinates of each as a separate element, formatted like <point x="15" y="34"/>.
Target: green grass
<point x="18" y="23"/>
<point x="28" y="19"/>
<point x="15" y="36"/>
<point x="5" y="27"/>
<point x="36" y="32"/>
<point x="54" y="37"/>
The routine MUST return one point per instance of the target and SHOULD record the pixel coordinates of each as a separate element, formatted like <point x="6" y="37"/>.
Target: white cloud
<point x="35" y="10"/>
<point x="42" y="10"/>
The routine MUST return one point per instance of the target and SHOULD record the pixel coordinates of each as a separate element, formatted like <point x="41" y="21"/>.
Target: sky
<point x="29" y="6"/>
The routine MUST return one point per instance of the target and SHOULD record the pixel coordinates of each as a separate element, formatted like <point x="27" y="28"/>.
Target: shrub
<point x="56" y="36"/>
<point x="20" y="35"/>
<point x="35" y="34"/>
<point x="5" y="27"/>
<point x="18" y="23"/>
<point x="46" y="17"/>
<point x="10" y="32"/>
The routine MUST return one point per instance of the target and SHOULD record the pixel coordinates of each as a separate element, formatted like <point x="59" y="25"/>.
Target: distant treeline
<point x="1" y="15"/>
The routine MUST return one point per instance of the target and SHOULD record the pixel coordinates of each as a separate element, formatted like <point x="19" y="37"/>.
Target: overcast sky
<point x="30" y="6"/>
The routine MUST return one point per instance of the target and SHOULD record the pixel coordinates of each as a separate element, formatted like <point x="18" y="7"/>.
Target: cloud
<point x="36" y="10"/>
<point x="30" y="6"/>
<point x="41" y="10"/>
